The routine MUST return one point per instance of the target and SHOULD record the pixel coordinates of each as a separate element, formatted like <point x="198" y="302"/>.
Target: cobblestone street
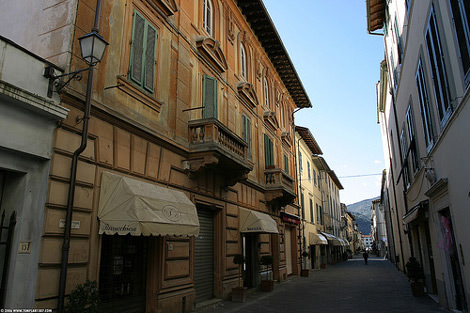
<point x="350" y="286"/>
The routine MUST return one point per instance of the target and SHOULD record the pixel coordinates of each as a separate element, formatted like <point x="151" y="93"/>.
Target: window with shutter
<point x="143" y="53"/>
<point x="438" y="69"/>
<point x="286" y="164"/>
<point x="246" y="133"/>
<point x="461" y="14"/>
<point x="268" y="152"/>
<point x="311" y="211"/>
<point x="209" y="97"/>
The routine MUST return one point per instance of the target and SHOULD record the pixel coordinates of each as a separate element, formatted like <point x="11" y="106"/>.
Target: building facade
<point x="191" y="133"/>
<point x="379" y="229"/>
<point x="423" y="97"/>
<point x="28" y="120"/>
<point x="314" y="243"/>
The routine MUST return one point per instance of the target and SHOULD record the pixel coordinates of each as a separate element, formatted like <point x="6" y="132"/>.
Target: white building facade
<point x="423" y="108"/>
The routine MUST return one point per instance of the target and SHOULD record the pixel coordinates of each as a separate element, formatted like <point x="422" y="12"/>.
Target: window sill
<point x="138" y="94"/>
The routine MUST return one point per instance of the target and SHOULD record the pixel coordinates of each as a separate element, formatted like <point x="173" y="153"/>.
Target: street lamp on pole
<point x="92" y="47"/>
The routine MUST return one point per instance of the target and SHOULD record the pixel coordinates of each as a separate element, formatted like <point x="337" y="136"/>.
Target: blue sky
<point x="338" y="63"/>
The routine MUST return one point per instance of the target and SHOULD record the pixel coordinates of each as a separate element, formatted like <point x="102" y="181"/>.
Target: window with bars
<point x="246" y="133"/>
<point x="143" y="53"/>
<point x="209" y="97"/>
<point x="438" y="69"/>
<point x="461" y="14"/>
<point x="268" y="152"/>
<point x="426" y="114"/>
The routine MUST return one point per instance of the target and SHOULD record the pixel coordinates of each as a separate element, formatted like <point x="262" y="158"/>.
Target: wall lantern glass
<point x="92" y="46"/>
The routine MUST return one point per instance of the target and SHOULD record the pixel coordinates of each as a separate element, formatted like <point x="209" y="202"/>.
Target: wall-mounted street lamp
<point x="92" y="47"/>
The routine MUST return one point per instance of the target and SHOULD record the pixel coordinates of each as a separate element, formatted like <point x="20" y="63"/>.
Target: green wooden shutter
<point x="246" y="133"/>
<point x="149" y="62"/>
<point x="266" y="150"/>
<point x="137" y="48"/>
<point x="270" y="152"/>
<point x="209" y="97"/>
<point x="311" y="211"/>
<point x="286" y="164"/>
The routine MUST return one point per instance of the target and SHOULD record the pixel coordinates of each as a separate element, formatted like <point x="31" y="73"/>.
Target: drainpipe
<point x="73" y="175"/>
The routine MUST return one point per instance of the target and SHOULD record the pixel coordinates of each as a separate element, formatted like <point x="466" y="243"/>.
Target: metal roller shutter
<point x="204" y="257"/>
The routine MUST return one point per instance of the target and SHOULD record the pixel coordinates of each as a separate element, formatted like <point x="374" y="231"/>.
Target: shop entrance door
<point x="123" y="274"/>
<point x="250" y="254"/>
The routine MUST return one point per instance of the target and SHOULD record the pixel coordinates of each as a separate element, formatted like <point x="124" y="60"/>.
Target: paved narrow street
<point x="350" y="286"/>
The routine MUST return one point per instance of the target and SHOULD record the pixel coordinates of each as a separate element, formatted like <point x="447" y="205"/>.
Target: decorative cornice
<point x="248" y="93"/>
<point x="169" y="7"/>
<point x="286" y="138"/>
<point x="271" y="120"/>
<point x="436" y="188"/>
<point x="210" y="48"/>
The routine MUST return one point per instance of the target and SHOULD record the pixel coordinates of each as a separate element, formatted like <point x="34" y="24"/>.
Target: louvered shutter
<point x="248" y="136"/>
<point x="149" y="63"/>
<point x="266" y="150"/>
<point x="137" y="48"/>
<point x="209" y="97"/>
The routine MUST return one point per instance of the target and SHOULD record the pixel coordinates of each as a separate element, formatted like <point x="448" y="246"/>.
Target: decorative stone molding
<point x="230" y="26"/>
<point x="271" y="120"/>
<point x="210" y="48"/>
<point x="286" y="138"/>
<point x="248" y="93"/>
<point x="437" y="188"/>
<point x="169" y="7"/>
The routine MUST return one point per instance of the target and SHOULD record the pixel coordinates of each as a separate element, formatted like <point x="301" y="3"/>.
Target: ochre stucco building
<point x="192" y="116"/>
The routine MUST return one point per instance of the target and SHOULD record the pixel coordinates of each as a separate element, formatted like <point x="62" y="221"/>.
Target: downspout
<point x="73" y="175"/>
<point x="300" y="241"/>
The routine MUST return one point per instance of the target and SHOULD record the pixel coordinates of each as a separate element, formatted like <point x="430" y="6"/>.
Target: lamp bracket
<point x="54" y="80"/>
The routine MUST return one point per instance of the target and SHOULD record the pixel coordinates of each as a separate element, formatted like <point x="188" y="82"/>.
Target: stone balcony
<point x="215" y="147"/>
<point x="279" y="185"/>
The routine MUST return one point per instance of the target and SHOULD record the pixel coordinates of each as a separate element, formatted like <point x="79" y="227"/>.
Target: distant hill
<point x="362" y="212"/>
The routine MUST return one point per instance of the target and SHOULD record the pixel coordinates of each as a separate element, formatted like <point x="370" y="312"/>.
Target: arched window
<point x="208" y="18"/>
<point x="242" y="61"/>
<point x="266" y="92"/>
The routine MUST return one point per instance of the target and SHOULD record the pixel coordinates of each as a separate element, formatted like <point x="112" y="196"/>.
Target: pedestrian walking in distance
<point x="365" y="255"/>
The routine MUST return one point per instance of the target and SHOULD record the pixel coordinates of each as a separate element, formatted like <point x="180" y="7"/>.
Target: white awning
<point x="332" y="238"/>
<point x="257" y="222"/>
<point x="317" y="239"/>
<point x="130" y="206"/>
